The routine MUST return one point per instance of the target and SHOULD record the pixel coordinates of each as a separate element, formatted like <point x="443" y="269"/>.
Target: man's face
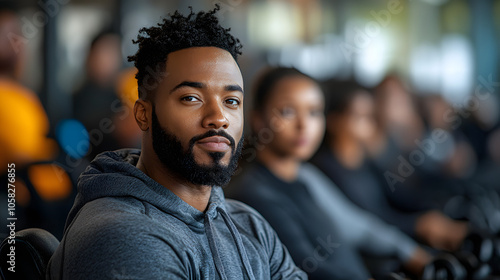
<point x="197" y="118"/>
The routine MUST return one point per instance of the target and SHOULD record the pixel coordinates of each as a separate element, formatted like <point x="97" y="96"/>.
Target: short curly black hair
<point x="176" y="33"/>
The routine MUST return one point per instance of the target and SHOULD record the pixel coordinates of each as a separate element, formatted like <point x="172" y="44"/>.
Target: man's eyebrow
<point x="188" y="84"/>
<point x="202" y="85"/>
<point x="233" y="88"/>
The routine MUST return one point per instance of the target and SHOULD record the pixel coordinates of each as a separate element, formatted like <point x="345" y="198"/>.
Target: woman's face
<point x="360" y="120"/>
<point x="292" y="118"/>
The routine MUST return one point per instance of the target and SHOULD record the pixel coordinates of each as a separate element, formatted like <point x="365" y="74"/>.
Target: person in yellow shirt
<point x="24" y="141"/>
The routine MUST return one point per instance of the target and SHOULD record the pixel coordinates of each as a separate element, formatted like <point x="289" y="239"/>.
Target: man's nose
<point x="214" y="116"/>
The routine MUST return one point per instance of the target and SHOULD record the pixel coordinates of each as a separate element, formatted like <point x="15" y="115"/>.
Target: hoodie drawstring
<point x="237" y="239"/>
<point x="213" y="248"/>
<point x="239" y="242"/>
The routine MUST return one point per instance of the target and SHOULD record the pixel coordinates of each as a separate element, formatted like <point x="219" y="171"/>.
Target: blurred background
<point x="68" y="60"/>
<point x="435" y="45"/>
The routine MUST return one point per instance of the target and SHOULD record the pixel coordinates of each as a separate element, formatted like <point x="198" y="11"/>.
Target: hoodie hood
<point x="114" y="174"/>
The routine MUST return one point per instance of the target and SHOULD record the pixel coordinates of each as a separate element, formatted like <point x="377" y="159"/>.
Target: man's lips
<point x="215" y="144"/>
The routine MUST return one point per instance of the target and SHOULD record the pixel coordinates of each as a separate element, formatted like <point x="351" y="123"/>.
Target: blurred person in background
<point x="403" y="147"/>
<point x="481" y="125"/>
<point x="397" y="126"/>
<point x="350" y="127"/>
<point x="126" y="133"/>
<point x="43" y="190"/>
<point x="325" y="233"/>
<point x="477" y="120"/>
<point x="452" y="158"/>
<point x="12" y="44"/>
<point x="397" y="118"/>
<point x="489" y="170"/>
<point x="492" y="166"/>
<point x="96" y="100"/>
<point x="25" y="125"/>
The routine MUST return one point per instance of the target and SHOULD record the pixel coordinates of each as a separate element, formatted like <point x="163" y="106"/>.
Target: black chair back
<point x="33" y="248"/>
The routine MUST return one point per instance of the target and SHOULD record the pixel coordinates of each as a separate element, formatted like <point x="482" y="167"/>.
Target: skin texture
<point x="187" y="110"/>
<point x="294" y="113"/>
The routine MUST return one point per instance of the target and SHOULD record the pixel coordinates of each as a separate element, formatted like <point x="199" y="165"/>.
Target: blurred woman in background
<point x="323" y="231"/>
<point x="96" y="101"/>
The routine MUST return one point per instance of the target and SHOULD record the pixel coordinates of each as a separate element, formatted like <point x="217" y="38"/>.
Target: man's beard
<point x="172" y="155"/>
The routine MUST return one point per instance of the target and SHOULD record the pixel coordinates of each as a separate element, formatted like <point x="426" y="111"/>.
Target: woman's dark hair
<point x="268" y="79"/>
<point x="340" y="93"/>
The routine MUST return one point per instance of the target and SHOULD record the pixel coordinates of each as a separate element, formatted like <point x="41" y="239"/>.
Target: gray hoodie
<point x="124" y="225"/>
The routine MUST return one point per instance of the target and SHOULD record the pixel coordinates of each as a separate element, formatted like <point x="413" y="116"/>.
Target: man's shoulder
<point x="119" y="226"/>
<point x="122" y="217"/>
<point x="113" y="207"/>
<point x="108" y="216"/>
<point x="111" y="235"/>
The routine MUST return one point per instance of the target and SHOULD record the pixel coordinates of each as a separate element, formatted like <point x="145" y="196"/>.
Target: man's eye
<point x="232" y="102"/>
<point x="189" y="98"/>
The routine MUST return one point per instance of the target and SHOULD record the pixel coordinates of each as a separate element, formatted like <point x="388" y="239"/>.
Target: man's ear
<point x="142" y="109"/>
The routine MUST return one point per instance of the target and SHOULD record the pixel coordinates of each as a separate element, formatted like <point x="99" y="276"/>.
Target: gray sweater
<point x="124" y="225"/>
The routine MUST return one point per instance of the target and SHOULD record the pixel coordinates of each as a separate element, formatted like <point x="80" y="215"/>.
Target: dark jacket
<point x="315" y="244"/>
